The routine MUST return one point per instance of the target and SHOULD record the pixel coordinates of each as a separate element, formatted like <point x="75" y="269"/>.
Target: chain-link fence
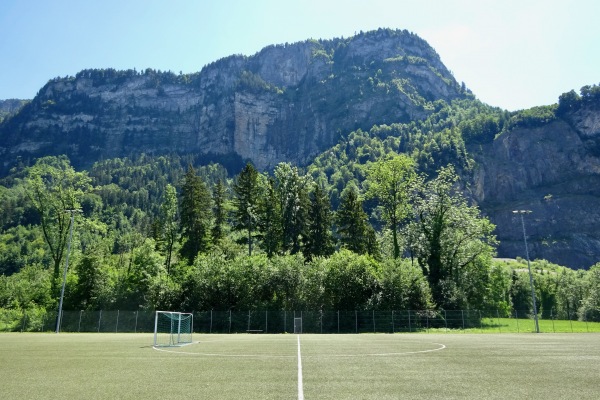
<point x="287" y="321"/>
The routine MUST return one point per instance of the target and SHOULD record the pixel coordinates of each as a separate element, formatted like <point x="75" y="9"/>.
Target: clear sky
<point x="512" y="54"/>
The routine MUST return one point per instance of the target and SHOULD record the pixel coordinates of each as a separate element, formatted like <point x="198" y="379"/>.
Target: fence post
<point x="393" y="327"/>
<point x="446" y="321"/>
<point x="498" y="319"/>
<point x="480" y="322"/>
<point x="230" y="320"/>
<point x="99" y="320"/>
<point x="117" y="324"/>
<point x="321" y="319"/>
<point x="24" y="319"/>
<point x="517" y="318"/>
<point x="338" y="318"/>
<point x="570" y="322"/>
<point x="462" y="313"/>
<point x="356" y="320"/>
<point x="136" y="318"/>
<point x="79" y="325"/>
<point x="409" y="324"/>
<point x="373" y="321"/>
<point x="552" y="318"/>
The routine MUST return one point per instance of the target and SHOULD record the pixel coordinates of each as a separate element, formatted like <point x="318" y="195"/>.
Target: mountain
<point x="553" y="170"/>
<point x="308" y="102"/>
<point x="286" y="103"/>
<point x="10" y="107"/>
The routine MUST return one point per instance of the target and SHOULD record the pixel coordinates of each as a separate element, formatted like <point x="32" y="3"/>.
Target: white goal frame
<point x="173" y="328"/>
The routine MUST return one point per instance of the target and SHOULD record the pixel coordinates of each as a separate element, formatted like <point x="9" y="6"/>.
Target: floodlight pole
<point x="62" y="291"/>
<point x="535" y="314"/>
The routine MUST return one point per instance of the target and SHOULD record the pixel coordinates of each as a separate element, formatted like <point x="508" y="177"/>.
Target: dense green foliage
<point x="129" y="252"/>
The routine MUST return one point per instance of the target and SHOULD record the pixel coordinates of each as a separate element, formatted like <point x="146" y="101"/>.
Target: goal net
<point x="173" y="328"/>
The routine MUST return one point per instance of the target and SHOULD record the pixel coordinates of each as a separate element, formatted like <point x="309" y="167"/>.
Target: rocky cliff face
<point x="286" y="103"/>
<point x="553" y="171"/>
<point x="10" y="107"/>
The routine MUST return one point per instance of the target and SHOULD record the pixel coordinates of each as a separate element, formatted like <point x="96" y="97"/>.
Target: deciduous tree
<point x="389" y="181"/>
<point x="53" y="187"/>
<point x="169" y="224"/>
<point x="454" y="242"/>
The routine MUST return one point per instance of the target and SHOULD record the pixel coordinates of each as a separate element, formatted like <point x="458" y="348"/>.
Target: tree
<point x="352" y="222"/>
<point x="454" y="243"/>
<point x="93" y="288"/>
<point x="319" y="239"/>
<point x="389" y="181"/>
<point x="590" y="306"/>
<point x="53" y="186"/>
<point x="195" y="216"/>
<point x="269" y="221"/>
<point x="350" y="281"/>
<point x="292" y="191"/>
<point x="246" y="196"/>
<point x="169" y="223"/>
<point x="219" y="212"/>
<point x="568" y="102"/>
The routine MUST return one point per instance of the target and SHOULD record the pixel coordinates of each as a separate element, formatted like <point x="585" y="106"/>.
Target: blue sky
<point x="511" y="53"/>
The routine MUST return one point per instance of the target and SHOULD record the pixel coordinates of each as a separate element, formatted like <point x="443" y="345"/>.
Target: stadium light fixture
<point x="62" y="291"/>
<point x="535" y="314"/>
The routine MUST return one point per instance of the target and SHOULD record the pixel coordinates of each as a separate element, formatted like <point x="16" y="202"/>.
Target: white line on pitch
<point x="300" y="386"/>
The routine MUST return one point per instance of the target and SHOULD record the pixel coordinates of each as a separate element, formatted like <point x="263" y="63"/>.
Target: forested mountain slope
<point x="334" y="106"/>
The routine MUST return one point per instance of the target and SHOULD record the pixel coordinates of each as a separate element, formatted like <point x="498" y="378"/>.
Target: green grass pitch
<point x="365" y="366"/>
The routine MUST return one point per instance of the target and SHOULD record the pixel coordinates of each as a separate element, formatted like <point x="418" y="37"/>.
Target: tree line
<point x="399" y="240"/>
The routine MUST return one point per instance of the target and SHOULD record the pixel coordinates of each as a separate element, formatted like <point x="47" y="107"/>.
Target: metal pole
<point x="62" y="291"/>
<point x="535" y="315"/>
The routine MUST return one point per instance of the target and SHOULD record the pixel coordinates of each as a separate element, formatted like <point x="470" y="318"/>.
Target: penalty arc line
<point x="300" y="385"/>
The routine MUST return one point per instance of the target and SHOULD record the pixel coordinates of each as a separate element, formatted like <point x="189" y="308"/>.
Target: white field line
<point x="300" y="385"/>
<point x="167" y="349"/>
<point x="441" y="347"/>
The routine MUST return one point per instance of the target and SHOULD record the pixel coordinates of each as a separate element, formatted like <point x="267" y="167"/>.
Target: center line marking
<point x="300" y="387"/>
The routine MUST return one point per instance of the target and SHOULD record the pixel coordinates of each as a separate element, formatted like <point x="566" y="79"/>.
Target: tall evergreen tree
<point x="246" y="191"/>
<point x="319" y="239"/>
<point x="269" y="221"/>
<point x="292" y="190"/>
<point x="219" y="212"/>
<point x="352" y="222"/>
<point x="195" y="215"/>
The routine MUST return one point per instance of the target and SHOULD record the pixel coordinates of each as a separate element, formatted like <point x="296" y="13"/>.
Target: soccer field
<point x="285" y="366"/>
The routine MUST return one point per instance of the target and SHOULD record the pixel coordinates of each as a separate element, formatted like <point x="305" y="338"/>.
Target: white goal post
<point x="173" y="328"/>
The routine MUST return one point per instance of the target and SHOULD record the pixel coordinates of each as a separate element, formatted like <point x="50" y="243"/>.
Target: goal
<point x="173" y="328"/>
